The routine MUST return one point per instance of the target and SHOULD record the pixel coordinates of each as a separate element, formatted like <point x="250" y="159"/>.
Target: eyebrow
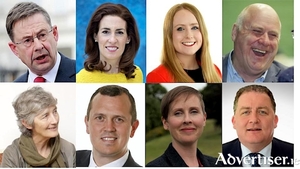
<point x="36" y="33"/>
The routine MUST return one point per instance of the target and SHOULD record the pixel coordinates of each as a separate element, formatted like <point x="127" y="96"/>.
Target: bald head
<point x="258" y="10"/>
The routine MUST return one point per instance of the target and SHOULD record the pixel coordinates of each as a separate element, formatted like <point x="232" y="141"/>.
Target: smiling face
<point x="40" y="57"/>
<point x="256" y="41"/>
<point x="254" y="120"/>
<point x="112" y="38"/>
<point x="187" y="38"/>
<point x="109" y="125"/>
<point x="186" y="120"/>
<point x="45" y="124"/>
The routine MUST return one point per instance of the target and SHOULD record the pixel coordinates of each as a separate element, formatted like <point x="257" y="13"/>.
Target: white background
<point x="156" y="11"/>
<point x="136" y="144"/>
<point x="65" y="106"/>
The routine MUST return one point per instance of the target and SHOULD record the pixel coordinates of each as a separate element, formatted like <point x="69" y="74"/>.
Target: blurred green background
<point x="158" y="139"/>
<point x="285" y="10"/>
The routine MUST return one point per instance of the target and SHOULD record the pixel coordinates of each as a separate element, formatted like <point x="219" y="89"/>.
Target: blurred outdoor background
<point x="62" y="13"/>
<point x="138" y="10"/>
<point x="158" y="139"/>
<point x="285" y="10"/>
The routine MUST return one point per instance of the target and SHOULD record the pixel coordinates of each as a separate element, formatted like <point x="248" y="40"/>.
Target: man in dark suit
<point x="110" y="122"/>
<point x="254" y="120"/>
<point x="256" y="36"/>
<point x="34" y="42"/>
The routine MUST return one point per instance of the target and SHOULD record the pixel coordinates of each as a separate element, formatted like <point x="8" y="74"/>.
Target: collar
<point x="233" y="76"/>
<point x="51" y="75"/>
<point x="264" y="160"/>
<point x="117" y="163"/>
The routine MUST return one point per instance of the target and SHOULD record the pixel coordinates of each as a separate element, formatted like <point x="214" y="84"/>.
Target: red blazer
<point x="162" y="75"/>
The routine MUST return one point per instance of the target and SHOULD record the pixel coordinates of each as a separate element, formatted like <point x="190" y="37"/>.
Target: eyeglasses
<point x="292" y="31"/>
<point x="42" y="36"/>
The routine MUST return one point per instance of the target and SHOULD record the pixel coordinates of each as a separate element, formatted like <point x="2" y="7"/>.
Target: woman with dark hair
<point x="112" y="42"/>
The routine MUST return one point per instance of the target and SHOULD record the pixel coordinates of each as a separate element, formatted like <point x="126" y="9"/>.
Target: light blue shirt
<point x="117" y="163"/>
<point x="263" y="161"/>
<point x="233" y="76"/>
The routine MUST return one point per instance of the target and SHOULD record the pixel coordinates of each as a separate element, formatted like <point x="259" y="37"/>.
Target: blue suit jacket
<point x="279" y="149"/>
<point x="83" y="159"/>
<point x="66" y="71"/>
<point x="272" y="75"/>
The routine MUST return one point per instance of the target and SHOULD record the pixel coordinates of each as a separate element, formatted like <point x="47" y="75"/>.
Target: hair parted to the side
<point x="126" y="64"/>
<point x="173" y="94"/>
<point x="114" y="90"/>
<point x="31" y="103"/>
<point x="254" y="88"/>
<point x="22" y="11"/>
<point x="203" y="57"/>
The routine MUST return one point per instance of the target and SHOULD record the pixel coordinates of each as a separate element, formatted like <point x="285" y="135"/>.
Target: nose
<point x="53" y="118"/>
<point x="189" y="33"/>
<point x="37" y="44"/>
<point x="112" y="38"/>
<point x="187" y="119"/>
<point x="264" y="39"/>
<point x="254" y="117"/>
<point x="109" y="125"/>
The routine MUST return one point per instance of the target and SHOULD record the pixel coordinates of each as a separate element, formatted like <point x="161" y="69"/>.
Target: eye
<point x="245" y="112"/>
<point x="27" y="40"/>
<point x="120" y="32"/>
<point x="194" y="111"/>
<point x="195" y="28"/>
<point x="119" y="120"/>
<point x="178" y="113"/>
<point x="262" y="112"/>
<point x="100" y="118"/>
<point x="180" y="29"/>
<point x="105" y="32"/>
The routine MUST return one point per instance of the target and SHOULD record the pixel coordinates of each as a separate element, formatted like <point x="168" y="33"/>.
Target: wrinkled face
<point x="45" y="124"/>
<point x="187" y="38"/>
<point x="186" y="120"/>
<point x="40" y="56"/>
<point x="109" y="125"/>
<point x="254" y="119"/>
<point x="112" y="37"/>
<point x="256" y="44"/>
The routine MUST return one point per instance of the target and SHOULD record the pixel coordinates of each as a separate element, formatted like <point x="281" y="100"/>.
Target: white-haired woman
<point x="40" y="144"/>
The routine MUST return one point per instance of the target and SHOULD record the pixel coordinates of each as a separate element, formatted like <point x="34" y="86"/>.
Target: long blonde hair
<point x="169" y="59"/>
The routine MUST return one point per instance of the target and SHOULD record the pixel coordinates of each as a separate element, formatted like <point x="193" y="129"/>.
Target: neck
<point x="103" y="159"/>
<point x="187" y="152"/>
<point x="113" y="65"/>
<point x="188" y="62"/>
<point x="42" y="145"/>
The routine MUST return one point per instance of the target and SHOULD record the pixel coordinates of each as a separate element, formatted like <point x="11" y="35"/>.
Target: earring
<point x="127" y="42"/>
<point x="96" y="40"/>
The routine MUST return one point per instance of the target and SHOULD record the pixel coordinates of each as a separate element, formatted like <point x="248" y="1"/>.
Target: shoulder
<point x="212" y="161"/>
<point x="138" y="75"/>
<point x="160" y="161"/>
<point x="81" y="153"/>
<point x="67" y="61"/>
<point x="282" y="143"/>
<point x="228" y="145"/>
<point x="11" y="156"/>
<point x="66" y="144"/>
<point x="159" y="75"/>
<point x="22" y="78"/>
<point x="86" y="76"/>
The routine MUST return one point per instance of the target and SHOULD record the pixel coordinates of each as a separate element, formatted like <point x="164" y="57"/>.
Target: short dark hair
<point x="114" y="90"/>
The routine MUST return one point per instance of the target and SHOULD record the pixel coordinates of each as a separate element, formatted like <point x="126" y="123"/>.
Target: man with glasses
<point x="34" y="42"/>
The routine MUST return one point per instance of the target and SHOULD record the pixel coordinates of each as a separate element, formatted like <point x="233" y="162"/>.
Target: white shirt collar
<point x="117" y="163"/>
<point x="266" y="152"/>
<point x="51" y="75"/>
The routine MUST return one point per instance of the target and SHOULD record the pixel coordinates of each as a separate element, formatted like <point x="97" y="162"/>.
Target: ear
<point x="128" y="40"/>
<point x="233" y="121"/>
<point x="26" y="124"/>
<point x="165" y="123"/>
<point x="275" y="121"/>
<point x="13" y="48"/>
<point x="204" y="119"/>
<point x="86" y="125"/>
<point x="134" y="127"/>
<point x="234" y="32"/>
<point x="95" y="37"/>
<point x="55" y="32"/>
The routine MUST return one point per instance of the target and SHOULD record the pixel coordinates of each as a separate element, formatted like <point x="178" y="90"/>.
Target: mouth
<point x="41" y="57"/>
<point x="188" y="43"/>
<point x="259" y="52"/>
<point x="108" y="138"/>
<point x="111" y="48"/>
<point x="254" y="129"/>
<point x="52" y="128"/>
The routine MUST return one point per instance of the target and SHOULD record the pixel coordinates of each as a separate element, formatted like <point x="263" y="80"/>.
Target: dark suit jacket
<point x="279" y="149"/>
<point x="171" y="158"/>
<point x="66" y="71"/>
<point x="272" y="75"/>
<point x="83" y="159"/>
<point x="287" y="75"/>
